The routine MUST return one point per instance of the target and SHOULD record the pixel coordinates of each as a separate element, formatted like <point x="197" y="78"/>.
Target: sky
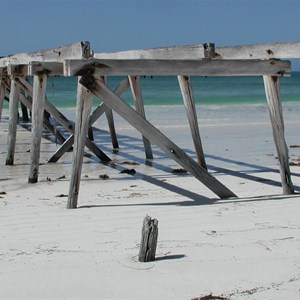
<point x="115" y="25"/>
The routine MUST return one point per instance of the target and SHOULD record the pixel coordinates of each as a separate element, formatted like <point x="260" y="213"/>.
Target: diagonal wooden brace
<point x="154" y="135"/>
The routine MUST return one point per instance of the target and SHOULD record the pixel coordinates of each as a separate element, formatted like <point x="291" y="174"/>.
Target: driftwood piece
<point x="275" y="109"/>
<point x="13" y="120"/>
<point x="189" y="103"/>
<point x="148" y="240"/>
<point x="38" y="100"/>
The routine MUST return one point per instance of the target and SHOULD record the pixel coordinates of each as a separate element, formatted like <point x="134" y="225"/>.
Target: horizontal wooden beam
<point x="203" y="67"/>
<point x="172" y="52"/>
<point x="76" y="50"/>
<point x="49" y="68"/>
<point x="285" y="50"/>
<point x="260" y="51"/>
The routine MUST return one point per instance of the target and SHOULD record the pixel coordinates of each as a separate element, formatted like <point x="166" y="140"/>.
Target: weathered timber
<point x="25" y="117"/>
<point x="112" y="130"/>
<point x="2" y="95"/>
<point x="154" y="135"/>
<point x="189" y="103"/>
<point x="27" y="102"/>
<point x="204" y="67"/>
<point x="149" y="240"/>
<point x="38" y="100"/>
<point x="69" y="125"/>
<point x="83" y="111"/>
<point x="97" y="113"/>
<point x="286" y="50"/>
<point x="275" y="109"/>
<point x="139" y="106"/>
<point x="73" y="51"/>
<point x="66" y="146"/>
<point x="50" y="108"/>
<point x="260" y="51"/>
<point x="53" y="68"/>
<point x="173" y="52"/>
<point x="110" y="120"/>
<point x="13" y="120"/>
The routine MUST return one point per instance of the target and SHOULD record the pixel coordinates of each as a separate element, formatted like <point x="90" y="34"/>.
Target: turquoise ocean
<point x="164" y="90"/>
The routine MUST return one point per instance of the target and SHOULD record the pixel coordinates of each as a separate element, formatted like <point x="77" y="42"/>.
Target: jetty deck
<point x="92" y="69"/>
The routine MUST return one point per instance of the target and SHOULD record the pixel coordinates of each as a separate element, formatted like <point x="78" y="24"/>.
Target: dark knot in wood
<point x="209" y="50"/>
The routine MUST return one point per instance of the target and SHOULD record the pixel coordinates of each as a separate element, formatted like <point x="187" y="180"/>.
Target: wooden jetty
<point x="92" y="69"/>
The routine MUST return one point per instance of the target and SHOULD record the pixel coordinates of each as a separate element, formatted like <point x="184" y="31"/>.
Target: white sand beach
<point x="244" y="248"/>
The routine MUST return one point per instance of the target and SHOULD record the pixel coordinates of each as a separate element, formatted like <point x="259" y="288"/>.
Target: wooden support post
<point x="13" y="120"/>
<point x="111" y="126"/>
<point x="275" y="109"/>
<point x="149" y="240"/>
<point x="190" y="108"/>
<point x="25" y="117"/>
<point x="153" y="134"/>
<point x="2" y="95"/>
<point x="83" y="111"/>
<point x="38" y="101"/>
<point x="110" y="121"/>
<point x="139" y="105"/>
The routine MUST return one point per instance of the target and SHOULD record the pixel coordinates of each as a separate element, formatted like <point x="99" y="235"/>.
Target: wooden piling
<point x="2" y="95"/>
<point x="83" y="111"/>
<point x="13" y="120"/>
<point x="148" y="240"/>
<point x="139" y="106"/>
<point x="38" y="101"/>
<point x="190" y="108"/>
<point x="275" y="109"/>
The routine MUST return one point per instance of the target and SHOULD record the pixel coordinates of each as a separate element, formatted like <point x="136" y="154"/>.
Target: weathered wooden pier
<point x="92" y="69"/>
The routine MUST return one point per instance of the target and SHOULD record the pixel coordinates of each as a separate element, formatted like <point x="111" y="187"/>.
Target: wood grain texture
<point x="13" y="120"/>
<point x="38" y="101"/>
<point x="83" y="111"/>
<point x="74" y="51"/>
<point x="276" y="116"/>
<point x="189" y="103"/>
<point x="149" y="240"/>
<point x="204" y="67"/>
<point x="139" y="106"/>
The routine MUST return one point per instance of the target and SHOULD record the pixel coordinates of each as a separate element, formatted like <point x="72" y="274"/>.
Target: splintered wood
<point x="149" y="240"/>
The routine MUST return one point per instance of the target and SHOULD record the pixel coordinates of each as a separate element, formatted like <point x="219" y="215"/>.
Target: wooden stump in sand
<point x="149" y="240"/>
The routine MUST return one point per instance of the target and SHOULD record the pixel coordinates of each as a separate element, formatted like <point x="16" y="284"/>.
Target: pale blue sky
<point x="112" y="25"/>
